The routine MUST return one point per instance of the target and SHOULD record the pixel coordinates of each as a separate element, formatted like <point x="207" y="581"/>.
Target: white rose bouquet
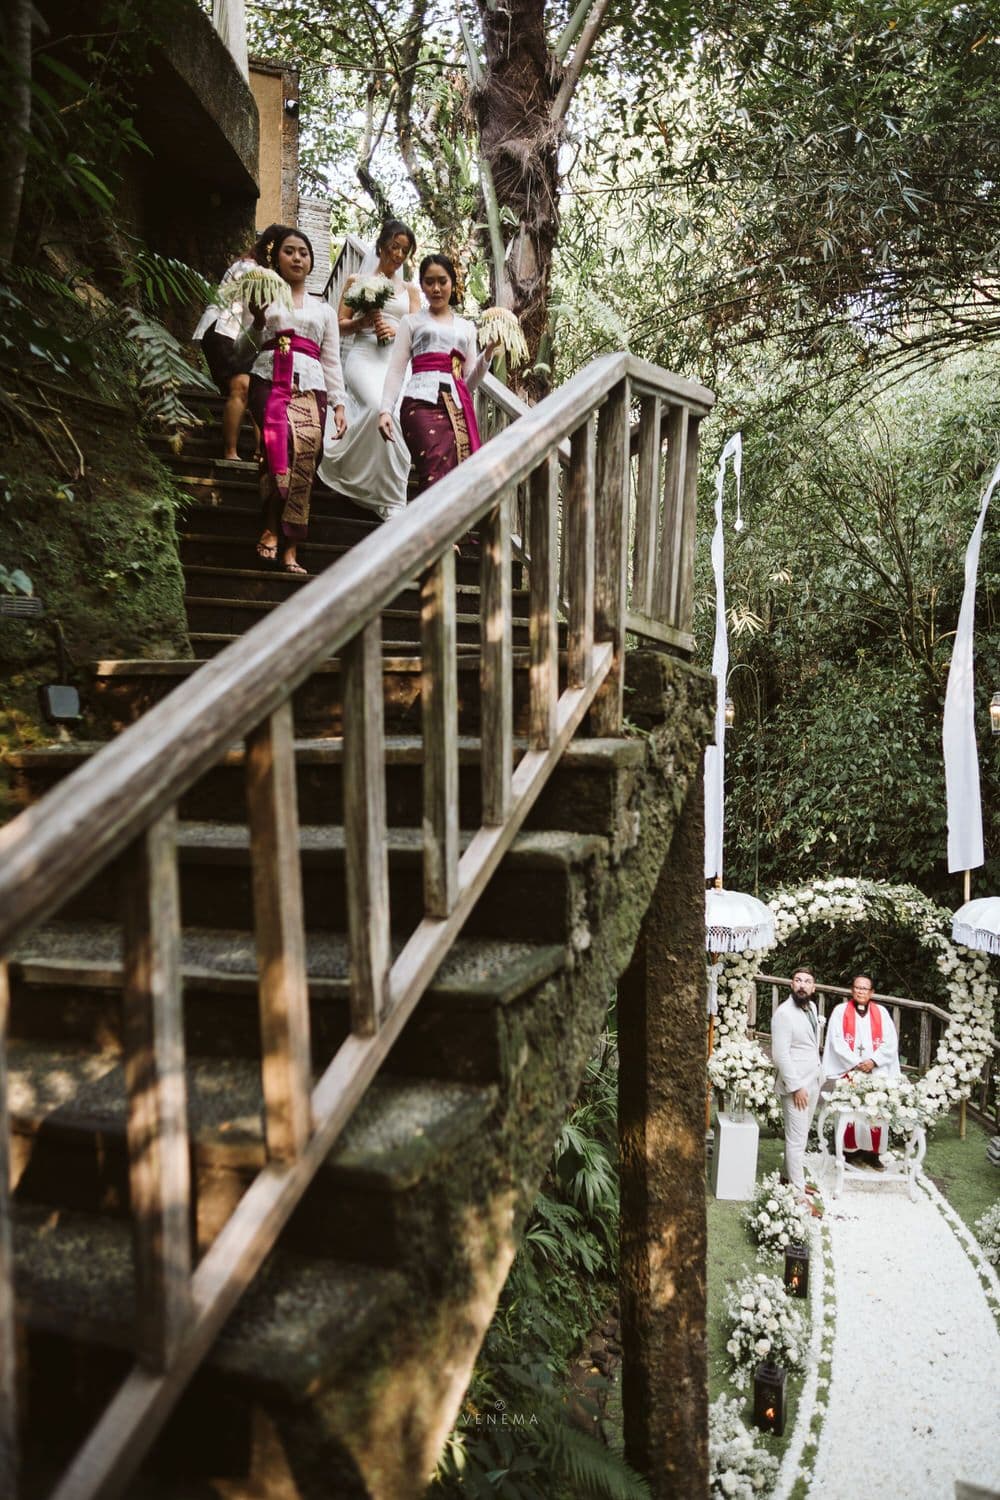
<point x="739" y="1066"/>
<point x="896" y="1100"/>
<point x="766" y="1326"/>
<point x="369" y="294"/>
<point x="775" y="1217"/>
<point x="737" y="1468"/>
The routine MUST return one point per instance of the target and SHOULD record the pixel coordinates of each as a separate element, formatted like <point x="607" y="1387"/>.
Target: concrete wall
<point x="274" y="86"/>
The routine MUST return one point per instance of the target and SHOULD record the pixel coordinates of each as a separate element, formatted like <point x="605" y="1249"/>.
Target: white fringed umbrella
<point x="735" y="921"/>
<point x="977" y="924"/>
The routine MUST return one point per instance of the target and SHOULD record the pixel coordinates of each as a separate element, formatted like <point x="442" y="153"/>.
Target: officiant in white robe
<point x="861" y="1037"/>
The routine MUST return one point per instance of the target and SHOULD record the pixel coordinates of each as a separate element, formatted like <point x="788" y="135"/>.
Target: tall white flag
<point x="229" y="18"/>
<point x="961" y="758"/>
<point x="715" y="755"/>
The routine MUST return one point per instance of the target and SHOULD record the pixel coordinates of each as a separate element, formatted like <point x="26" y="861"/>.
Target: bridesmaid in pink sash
<point x="436" y="415"/>
<point x="294" y="376"/>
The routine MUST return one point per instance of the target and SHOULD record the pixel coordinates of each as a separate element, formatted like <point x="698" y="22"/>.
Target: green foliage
<point x="514" y="1439"/>
<point x="163" y="368"/>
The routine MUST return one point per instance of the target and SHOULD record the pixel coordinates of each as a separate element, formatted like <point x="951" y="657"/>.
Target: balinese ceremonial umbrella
<point x="977" y="924"/>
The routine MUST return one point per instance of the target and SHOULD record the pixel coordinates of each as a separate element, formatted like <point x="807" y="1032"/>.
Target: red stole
<point x="850" y="1021"/>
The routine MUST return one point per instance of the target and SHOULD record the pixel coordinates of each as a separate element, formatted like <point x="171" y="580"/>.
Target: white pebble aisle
<point x="914" y="1398"/>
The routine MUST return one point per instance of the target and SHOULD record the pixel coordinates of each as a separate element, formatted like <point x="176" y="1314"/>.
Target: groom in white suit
<point x="795" y="1033"/>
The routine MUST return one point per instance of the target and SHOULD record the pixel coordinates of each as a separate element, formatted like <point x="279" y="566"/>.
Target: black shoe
<point x="875" y="1161"/>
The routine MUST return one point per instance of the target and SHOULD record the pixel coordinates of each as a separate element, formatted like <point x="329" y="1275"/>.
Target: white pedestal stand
<point x="907" y="1170"/>
<point x="734" y="1159"/>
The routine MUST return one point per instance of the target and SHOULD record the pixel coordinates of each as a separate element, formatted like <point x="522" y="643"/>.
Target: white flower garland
<point x="738" y="1467"/>
<point x="971" y="996"/>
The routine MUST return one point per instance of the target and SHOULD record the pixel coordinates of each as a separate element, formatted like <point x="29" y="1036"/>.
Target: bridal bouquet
<point x="895" y="1100"/>
<point x="776" y="1218"/>
<point x="369" y="294"/>
<point x="498" y="325"/>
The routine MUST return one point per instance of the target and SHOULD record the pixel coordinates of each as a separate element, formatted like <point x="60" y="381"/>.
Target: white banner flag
<point x="715" y="755"/>
<point x="961" y="758"/>
<point x="229" y="17"/>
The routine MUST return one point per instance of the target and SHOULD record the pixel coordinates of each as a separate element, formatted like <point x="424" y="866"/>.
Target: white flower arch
<point x="971" y="994"/>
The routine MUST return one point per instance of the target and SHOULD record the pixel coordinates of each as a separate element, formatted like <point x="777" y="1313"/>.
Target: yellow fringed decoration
<point x="499" y="325"/>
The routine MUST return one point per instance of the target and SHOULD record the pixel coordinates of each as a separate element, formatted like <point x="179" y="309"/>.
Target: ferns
<point x="163" y="368"/>
<point x="515" y="1439"/>
<point x="160" y="279"/>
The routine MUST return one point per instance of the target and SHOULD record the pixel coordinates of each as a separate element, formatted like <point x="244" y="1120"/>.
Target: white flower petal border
<point x="963" y="975"/>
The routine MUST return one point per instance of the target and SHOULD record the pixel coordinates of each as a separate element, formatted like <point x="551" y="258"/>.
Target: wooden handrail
<point x="124" y="801"/>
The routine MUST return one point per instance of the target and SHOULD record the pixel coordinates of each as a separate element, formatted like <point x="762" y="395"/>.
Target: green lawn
<point x="960" y="1169"/>
<point x="732" y="1254"/>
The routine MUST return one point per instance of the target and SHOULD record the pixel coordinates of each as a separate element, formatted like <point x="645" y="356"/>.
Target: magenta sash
<point x="285" y="344"/>
<point x="442" y="363"/>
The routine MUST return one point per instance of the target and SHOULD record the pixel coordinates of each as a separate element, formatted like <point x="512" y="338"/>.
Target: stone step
<point x="68" y="1147"/>
<point x="122" y="690"/>
<point x="308" y="1324"/>
<point x="235" y="616"/>
<point x="590" y="791"/>
<point x="243" y="580"/>
<point x="538" y="893"/>
<point x="66" y="988"/>
<point x="207" y="550"/>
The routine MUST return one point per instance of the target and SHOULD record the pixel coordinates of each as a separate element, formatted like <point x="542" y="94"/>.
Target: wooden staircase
<point x="218" y="929"/>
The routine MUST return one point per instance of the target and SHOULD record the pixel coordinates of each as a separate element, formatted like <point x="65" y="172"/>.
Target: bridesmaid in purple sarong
<point x="294" y="376"/>
<point x="436" y="415"/>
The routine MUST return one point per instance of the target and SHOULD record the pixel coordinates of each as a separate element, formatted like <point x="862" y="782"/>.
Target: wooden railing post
<point x="685" y="548"/>
<point x="611" y="491"/>
<point x="156" y="1125"/>
<point x="647" y="506"/>
<point x="664" y="598"/>
<point x="272" y="809"/>
<point x="580" y="528"/>
<point x="496" y="675"/>
<point x="439" y="715"/>
<point x="543" y="583"/>
<point x="365" y="830"/>
<point x="8" y="1349"/>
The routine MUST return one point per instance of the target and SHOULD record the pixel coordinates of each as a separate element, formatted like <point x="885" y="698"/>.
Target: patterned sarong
<point x="305" y="415"/>
<point x="436" y="436"/>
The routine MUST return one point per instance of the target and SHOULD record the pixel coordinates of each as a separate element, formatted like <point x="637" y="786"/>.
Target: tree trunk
<point x="17" y="120"/>
<point x="519" y="135"/>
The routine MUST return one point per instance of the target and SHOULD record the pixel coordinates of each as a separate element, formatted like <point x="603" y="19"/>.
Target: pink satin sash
<point x="442" y="364"/>
<point x="285" y="345"/>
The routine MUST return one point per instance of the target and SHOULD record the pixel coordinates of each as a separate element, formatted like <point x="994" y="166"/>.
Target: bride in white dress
<point x="360" y="465"/>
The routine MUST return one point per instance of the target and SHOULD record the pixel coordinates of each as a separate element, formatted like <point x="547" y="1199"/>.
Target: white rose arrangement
<point x="738" y="1468"/>
<point x="766" y="1325"/>
<point x="988" y="1234"/>
<point x="775" y="1217"/>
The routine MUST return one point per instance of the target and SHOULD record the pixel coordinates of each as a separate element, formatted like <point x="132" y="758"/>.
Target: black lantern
<point x="797" y="1270"/>
<point x="769" y="1399"/>
<point x="730" y="713"/>
<point x="995" y="714"/>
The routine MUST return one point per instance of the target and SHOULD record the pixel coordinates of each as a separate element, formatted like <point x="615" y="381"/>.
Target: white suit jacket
<point x="795" y="1046"/>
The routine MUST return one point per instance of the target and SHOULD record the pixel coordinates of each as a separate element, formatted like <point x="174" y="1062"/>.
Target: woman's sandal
<point x="293" y="567"/>
<point x="267" y="551"/>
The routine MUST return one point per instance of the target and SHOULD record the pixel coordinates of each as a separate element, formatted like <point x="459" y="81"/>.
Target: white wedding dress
<point x="361" y="464"/>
